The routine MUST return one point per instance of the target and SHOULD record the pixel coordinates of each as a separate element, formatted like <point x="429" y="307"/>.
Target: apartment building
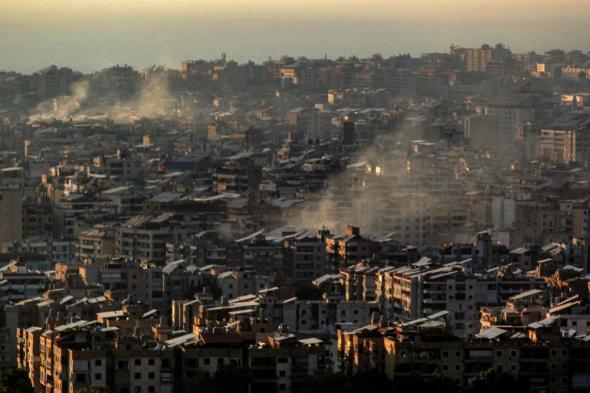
<point x="11" y="202"/>
<point x="98" y="242"/>
<point x="566" y="140"/>
<point x="537" y="355"/>
<point x="282" y="363"/>
<point x="81" y="355"/>
<point x="424" y="289"/>
<point x="307" y="256"/>
<point x="145" y="237"/>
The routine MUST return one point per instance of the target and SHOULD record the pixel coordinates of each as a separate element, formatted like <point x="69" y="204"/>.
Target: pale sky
<point x="20" y="10"/>
<point x="92" y="34"/>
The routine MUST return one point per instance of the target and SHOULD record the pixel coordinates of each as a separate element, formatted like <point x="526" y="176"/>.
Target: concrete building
<point x="98" y="242"/>
<point x="11" y="201"/>
<point x="144" y="237"/>
<point x="567" y="140"/>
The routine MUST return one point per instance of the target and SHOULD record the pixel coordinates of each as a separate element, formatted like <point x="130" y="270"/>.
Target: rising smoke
<point x="63" y="107"/>
<point x="153" y="99"/>
<point x="397" y="185"/>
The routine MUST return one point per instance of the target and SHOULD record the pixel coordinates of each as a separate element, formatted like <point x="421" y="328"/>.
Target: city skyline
<point x="261" y="196"/>
<point x="37" y="34"/>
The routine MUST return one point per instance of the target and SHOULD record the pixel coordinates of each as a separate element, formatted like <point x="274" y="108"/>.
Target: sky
<point x="89" y="35"/>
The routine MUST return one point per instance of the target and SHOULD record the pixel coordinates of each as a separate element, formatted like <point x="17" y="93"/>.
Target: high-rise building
<point x="53" y="81"/>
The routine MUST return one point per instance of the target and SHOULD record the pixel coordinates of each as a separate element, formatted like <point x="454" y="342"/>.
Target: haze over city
<point x="330" y="196"/>
<point x="93" y="34"/>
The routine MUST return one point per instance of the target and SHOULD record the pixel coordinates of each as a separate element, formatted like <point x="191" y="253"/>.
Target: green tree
<point x="231" y="380"/>
<point x="326" y="382"/>
<point x="434" y="383"/>
<point x="330" y="382"/>
<point x="95" y="389"/>
<point x="225" y="380"/>
<point x="492" y="381"/>
<point x="15" y="380"/>
<point x="371" y="381"/>
<point x="440" y="384"/>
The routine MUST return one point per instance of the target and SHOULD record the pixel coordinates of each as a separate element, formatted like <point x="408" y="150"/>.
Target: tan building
<point x="11" y="202"/>
<point x="541" y="359"/>
<point x="82" y="354"/>
<point x="98" y="242"/>
<point x="477" y="59"/>
<point x="536" y="354"/>
<point x="567" y="140"/>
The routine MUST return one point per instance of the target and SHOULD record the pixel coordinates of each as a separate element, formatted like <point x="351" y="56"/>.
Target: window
<point x="190" y="363"/>
<point x="151" y="361"/>
<point x="220" y="361"/>
<point x="137" y="376"/>
<point x="151" y="375"/>
<point x="138" y="362"/>
<point x="151" y="389"/>
<point x="98" y="362"/>
<point x="98" y="376"/>
<point x="206" y="361"/>
<point x="282" y="373"/>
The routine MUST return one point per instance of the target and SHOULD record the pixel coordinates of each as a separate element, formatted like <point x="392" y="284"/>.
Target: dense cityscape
<point x="298" y="225"/>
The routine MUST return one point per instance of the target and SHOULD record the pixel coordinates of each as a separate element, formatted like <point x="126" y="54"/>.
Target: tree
<point x="493" y="380"/>
<point x="434" y="383"/>
<point x="330" y="382"/>
<point x="225" y="380"/>
<point x="326" y="382"/>
<point x="94" y="389"/>
<point x="15" y="380"/>
<point x="375" y="382"/>
<point x="231" y="380"/>
<point x="372" y="381"/>
<point x="440" y="384"/>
